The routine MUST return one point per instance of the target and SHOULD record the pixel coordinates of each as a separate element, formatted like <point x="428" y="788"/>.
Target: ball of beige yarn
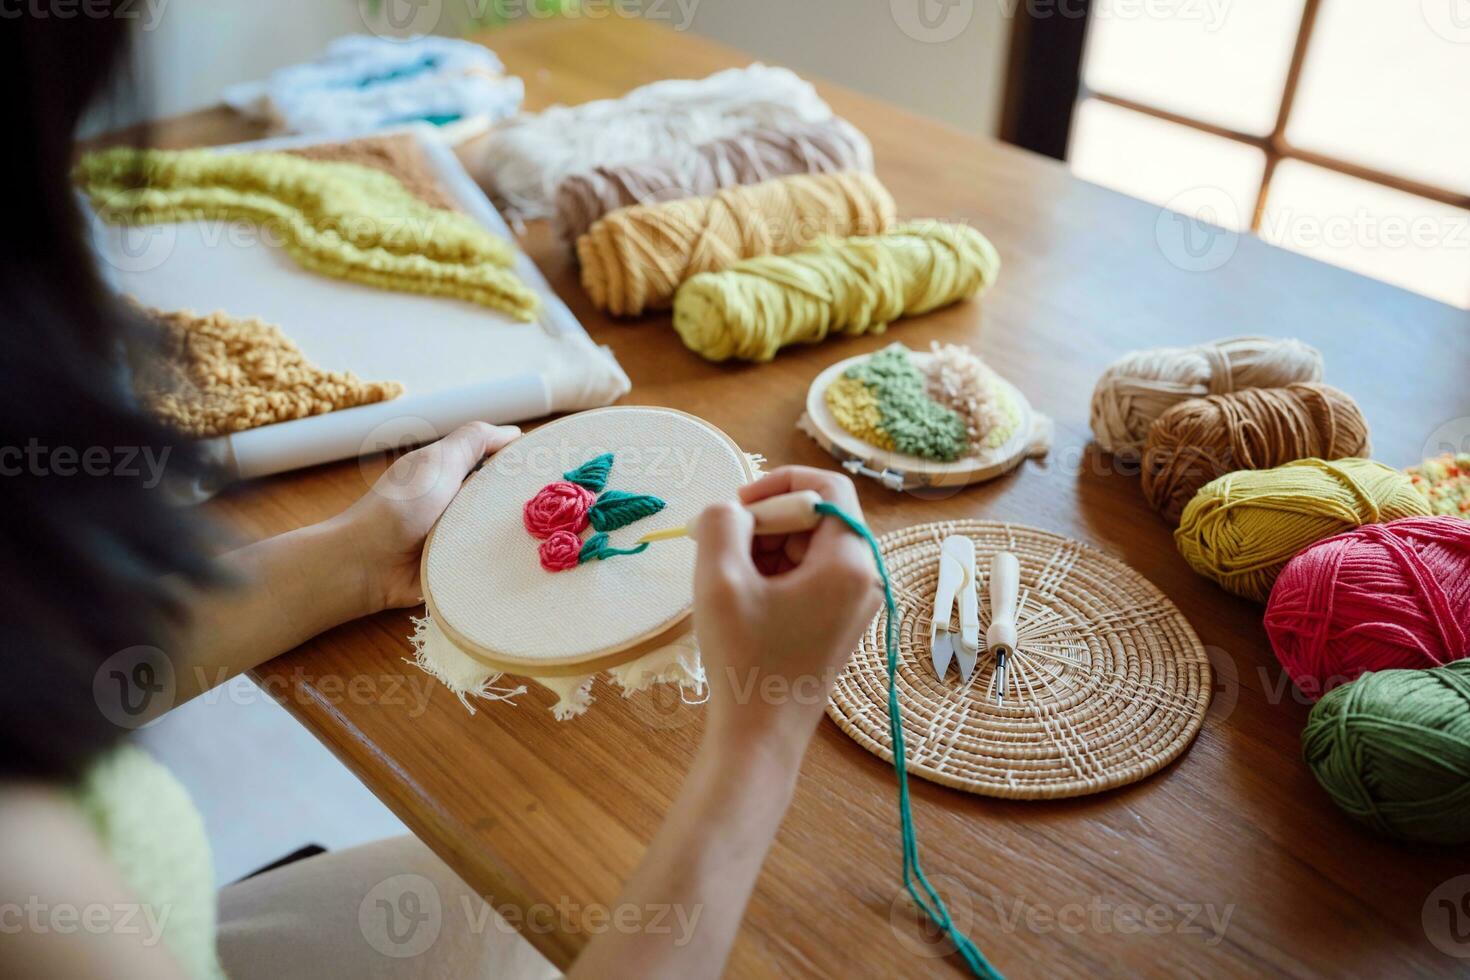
<point x="1139" y="387"/>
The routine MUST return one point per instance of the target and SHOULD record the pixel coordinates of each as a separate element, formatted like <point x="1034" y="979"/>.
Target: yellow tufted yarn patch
<point x="846" y="286"/>
<point x="213" y="375"/>
<point x="1242" y="528"/>
<point x="855" y="407"/>
<point x="634" y="258"/>
<point x="339" y="219"/>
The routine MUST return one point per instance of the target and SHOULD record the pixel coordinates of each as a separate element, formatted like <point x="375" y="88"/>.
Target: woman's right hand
<point x="777" y="616"/>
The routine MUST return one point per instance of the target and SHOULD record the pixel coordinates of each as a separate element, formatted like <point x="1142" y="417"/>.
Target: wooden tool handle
<point x="787" y="513"/>
<point x="1005" y="585"/>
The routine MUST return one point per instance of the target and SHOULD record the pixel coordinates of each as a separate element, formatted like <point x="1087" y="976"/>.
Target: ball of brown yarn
<point x="764" y="153"/>
<point x="635" y="258"/>
<point x="1253" y="429"/>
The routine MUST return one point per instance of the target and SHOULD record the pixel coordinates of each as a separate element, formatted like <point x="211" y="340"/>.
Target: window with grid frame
<point x="1335" y="128"/>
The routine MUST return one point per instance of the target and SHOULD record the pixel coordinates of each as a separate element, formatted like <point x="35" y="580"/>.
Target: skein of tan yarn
<point x="1254" y="429"/>
<point x="635" y="258"/>
<point x="764" y="153"/>
<point x="1139" y="387"/>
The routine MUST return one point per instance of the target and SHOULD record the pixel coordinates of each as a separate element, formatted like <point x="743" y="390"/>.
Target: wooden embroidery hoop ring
<point x="899" y="471"/>
<point x="616" y="655"/>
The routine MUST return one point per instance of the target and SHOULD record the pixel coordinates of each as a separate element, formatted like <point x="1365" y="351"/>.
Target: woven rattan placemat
<point x="1108" y="685"/>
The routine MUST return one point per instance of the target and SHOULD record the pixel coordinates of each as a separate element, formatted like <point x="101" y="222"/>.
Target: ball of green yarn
<point x="1393" y="750"/>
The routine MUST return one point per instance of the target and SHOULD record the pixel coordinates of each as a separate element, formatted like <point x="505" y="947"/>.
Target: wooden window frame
<point x="1035" y="116"/>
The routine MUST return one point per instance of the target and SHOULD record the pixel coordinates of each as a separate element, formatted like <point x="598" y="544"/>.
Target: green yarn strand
<point x="596" y="548"/>
<point x="592" y="474"/>
<point x="1392" y="749"/>
<point x="913" y="875"/>
<point x="617" y="508"/>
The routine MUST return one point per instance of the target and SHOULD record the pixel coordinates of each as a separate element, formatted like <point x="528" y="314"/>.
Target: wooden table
<point x="545" y="816"/>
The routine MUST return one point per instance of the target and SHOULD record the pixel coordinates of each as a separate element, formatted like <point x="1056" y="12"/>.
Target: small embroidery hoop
<point x="731" y="467"/>
<point x="899" y="471"/>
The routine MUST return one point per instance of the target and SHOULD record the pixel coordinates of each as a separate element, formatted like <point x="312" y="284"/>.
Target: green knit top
<point x="155" y="836"/>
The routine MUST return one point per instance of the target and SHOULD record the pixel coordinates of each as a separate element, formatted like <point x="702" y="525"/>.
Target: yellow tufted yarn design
<point x="847" y="286"/>
<point x="855" y="407"/>
<point x="634" y="258"/>
<point x="1242" y="528"/>
<point x="338" y="219"/>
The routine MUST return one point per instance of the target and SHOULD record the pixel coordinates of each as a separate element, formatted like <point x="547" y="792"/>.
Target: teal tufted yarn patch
<point x="592" y="474"/>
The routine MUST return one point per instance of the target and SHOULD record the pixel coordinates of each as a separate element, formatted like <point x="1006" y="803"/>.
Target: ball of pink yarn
<point x="559" y="506"/>
<point x="1377" y="597"/>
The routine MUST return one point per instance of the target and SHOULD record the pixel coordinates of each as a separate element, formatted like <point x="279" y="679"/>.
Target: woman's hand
<point x="386" y="528"/>
<point x="777" y="617"/>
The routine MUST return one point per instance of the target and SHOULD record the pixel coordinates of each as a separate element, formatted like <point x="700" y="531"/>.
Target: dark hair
<point x="87" y="547"/>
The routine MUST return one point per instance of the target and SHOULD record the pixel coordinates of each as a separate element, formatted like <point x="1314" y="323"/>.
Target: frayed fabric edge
<point x="435" y="654"/>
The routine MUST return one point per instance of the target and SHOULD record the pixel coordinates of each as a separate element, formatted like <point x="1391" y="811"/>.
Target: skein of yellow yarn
<point x="849" y="286"/>
<point x="1241" y="529"/>
<point x="635" y="258"/>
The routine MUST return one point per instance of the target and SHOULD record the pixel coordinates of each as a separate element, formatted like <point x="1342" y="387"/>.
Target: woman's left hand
<point x="387" y="526"/>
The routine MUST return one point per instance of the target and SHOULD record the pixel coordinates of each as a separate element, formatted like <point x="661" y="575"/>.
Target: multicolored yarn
<point x="1242" y="528"/>
<point x="883" y="400"/>
<point x="1445" y="482"/>
<point x="1382" y="596"/>
<point x="339" y="219"/>
<point x="562" y="510"/>
<point x="846" y="286"/>
<point x="618" y="508"/>
<point x="1392" y="749"/>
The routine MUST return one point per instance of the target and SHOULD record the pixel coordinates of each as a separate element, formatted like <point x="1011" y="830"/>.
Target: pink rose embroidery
<point x="560" y="506"/>
<point x="561" y="550"/>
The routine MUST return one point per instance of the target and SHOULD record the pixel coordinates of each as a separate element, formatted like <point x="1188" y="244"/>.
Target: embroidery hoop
<point x="461" y="564"/>
<point x="900" y="471"/>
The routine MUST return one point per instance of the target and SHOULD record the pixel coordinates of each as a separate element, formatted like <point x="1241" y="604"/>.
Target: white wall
<point x="189" y="50"/>
<point x="941" y="58"/>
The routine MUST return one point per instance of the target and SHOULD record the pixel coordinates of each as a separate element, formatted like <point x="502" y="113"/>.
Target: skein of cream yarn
<point x="1139" y="387"/>
<point x="635" y="258"/>
<point x="747" y="158"/>
<point x="847" y="286"/>
<point x="530" y="154"/>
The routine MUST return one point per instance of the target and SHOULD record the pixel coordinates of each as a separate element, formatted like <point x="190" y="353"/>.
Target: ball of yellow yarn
<point x="634" y="258"/>
<point x="849" y="286"/>
<point x="1242" y="528"/>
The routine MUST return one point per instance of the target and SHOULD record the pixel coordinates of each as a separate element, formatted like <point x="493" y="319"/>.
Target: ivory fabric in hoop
<point x="493" y="610"/>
